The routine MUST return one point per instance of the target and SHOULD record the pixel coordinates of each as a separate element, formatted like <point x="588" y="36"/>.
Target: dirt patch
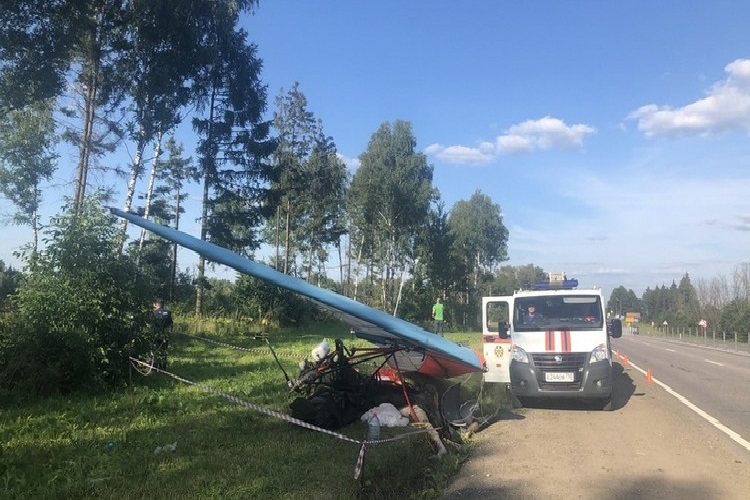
<point x="649" y="447"/>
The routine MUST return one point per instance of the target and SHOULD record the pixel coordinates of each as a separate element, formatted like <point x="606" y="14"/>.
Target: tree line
<point x="105" y="75"/>
<point x="108" y="73"/>
<point x="720" y="304"/>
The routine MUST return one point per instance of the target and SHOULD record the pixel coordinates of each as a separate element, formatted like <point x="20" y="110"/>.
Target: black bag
<point x="326" y="408"/>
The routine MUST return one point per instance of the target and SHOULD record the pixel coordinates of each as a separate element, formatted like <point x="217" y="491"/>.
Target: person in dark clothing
<point x="162" y="325"/>
<point x="532" y="317"/>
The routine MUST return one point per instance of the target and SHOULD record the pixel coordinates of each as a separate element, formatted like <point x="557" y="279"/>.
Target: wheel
<point x="143" y="356"/>
<point x="520" y="402"/>
<point x="608" y="402"/>
<point x="144" y="364"/>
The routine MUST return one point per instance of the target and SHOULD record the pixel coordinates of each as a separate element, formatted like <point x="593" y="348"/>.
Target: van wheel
<point x="519" y="402"/>
<point x="608" y="402"/>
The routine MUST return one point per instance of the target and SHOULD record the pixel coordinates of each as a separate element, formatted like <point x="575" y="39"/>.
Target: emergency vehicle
<point x="551" y="340"/>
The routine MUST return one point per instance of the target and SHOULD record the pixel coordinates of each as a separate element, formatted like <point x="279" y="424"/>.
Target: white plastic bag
<point x="388" y="415"/>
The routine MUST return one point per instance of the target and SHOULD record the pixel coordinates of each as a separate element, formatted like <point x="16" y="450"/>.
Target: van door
<point x="496" y="316"/>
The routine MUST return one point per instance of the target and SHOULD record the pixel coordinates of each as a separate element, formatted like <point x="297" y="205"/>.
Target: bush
<point x="71" y="323"/>
<point x="41" y="362"/>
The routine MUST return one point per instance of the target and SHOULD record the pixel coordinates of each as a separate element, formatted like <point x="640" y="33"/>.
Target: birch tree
<point x="389" y="200"/>
<point x="27" y="159"/>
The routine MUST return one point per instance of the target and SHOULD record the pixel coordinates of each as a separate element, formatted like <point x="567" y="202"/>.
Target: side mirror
<point x="614" y="328"/>
<point x="502" y="328"/>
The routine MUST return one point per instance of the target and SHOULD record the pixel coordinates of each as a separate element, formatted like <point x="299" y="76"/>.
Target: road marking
<point x="670" y="350"/>
<point x="712" y="420"/>
<point x="713" y="362"/>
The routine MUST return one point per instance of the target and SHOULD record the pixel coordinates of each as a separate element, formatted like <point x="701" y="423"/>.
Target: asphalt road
<point x="679" y="436"/>
<point x="715" y="381"/>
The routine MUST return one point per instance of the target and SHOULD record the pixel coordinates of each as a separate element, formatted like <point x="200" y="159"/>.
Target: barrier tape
<point x="248" y="349"/>
<point x="285" y="417"/>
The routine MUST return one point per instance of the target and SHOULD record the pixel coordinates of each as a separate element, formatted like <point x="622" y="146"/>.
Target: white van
<point x="559" y="342"/>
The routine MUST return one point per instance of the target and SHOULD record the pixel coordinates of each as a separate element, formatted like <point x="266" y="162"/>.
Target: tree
<point x="479" y="243"/>
<point x="295" y="126"/>
<point x="434" y="253"/>
<point x="27" y="158"/>
<point x="388" y="201"/>
<point x="322" y="222"/>
<point x="309" y="186"/>
<point x="511" y="278"/>
<point x="45" y="45"/>
<point x="37" y="43"/>
<point x="167" y="203"/>
<point x="688" y="307"/>
<point x="741" y="281"/>
<point x="735" y="319"/>
<point x="234" y="141"/>
<point x="162" y="55"/>
<point x="10" y="280"/>
<point x="480" y="239"/>
<point x="96" y="29"/>
<point x="713" y="296"/>
<point x="622" y="301"/>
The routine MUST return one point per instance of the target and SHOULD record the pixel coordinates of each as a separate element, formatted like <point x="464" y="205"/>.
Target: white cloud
<point x="545" y="133"/>
<point x="726" y="107"/>
<point x="514" y="143"/>
<point x="524" y="137"/>
<point x="743" y="223"/>
<point x="610" y="270"/>
<point x="459" y="154"/>
<point x="351" y="163"/>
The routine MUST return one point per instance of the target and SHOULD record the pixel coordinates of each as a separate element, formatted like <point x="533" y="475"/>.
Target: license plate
<point x="559" y="377"/>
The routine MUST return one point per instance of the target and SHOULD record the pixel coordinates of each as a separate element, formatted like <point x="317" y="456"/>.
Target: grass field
<point x="162" y="438"/>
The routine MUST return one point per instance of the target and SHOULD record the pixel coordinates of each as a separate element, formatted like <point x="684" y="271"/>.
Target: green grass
<point x="84" y="446"/>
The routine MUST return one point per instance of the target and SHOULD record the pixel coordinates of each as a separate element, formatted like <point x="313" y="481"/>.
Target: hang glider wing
<point x="421" y="351"/>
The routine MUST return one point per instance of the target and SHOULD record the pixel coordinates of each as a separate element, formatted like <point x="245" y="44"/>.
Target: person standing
<point x="162" y="325"/>
<point x="437" y="316"/>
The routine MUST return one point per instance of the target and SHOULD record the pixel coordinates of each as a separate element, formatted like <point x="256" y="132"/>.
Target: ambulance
<point x="551" y="340"/>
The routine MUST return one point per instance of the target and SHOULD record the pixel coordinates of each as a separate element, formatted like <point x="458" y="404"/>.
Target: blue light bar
<point x="565" y="284"/>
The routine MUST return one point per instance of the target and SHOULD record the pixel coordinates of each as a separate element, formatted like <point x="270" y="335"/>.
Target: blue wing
<point x="366" y="322"/>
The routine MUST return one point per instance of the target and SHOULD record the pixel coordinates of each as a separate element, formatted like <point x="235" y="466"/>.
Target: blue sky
<point x="613" y="135"/>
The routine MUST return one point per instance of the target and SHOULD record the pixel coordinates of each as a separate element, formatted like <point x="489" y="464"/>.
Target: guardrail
<point x="734" y="341"/>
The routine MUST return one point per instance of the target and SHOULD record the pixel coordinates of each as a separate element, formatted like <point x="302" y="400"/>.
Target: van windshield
<point x="556" y="312"/>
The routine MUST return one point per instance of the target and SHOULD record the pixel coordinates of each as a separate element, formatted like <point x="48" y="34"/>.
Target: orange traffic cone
<point x="625" y="362"/>
<point x="649" y="377"/>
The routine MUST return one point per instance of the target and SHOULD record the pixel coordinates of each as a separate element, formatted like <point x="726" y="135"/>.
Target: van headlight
<point x="600" y="353"/>
<point x="518" y="354"/>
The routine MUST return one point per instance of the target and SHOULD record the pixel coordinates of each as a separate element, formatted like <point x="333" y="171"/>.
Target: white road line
<point x="713" y="362"/>
<point x="713" y="421"/>
<point x="670" y="350"/>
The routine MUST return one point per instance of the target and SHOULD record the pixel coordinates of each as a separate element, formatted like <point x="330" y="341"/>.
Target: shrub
<point x="71" y="322"/>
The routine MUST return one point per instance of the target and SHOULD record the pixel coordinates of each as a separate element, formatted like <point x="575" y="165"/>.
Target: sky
<point x="613" y="135"/>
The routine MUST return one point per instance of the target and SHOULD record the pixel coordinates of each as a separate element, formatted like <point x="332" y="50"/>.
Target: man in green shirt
<point x="437" y="317"/>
